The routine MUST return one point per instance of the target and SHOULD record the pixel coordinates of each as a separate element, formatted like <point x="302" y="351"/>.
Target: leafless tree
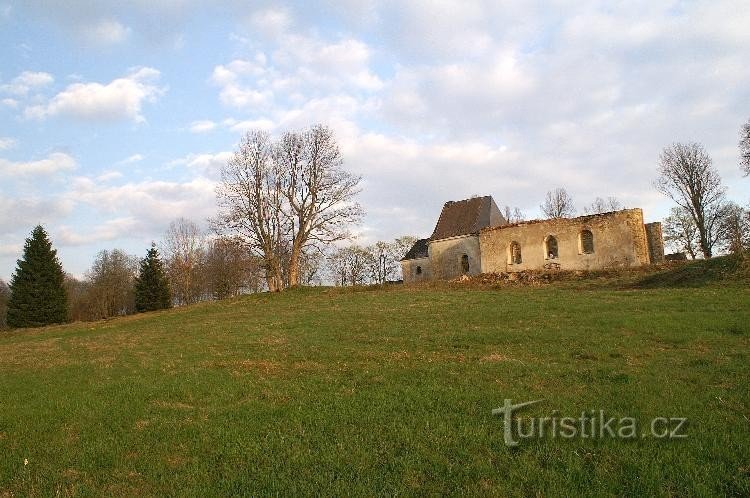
<point x="230" y="269"/>
<point x="601" y="205"/>
<point x="688" y="177"/>
<point x="680" y="231"/>
<point x="110" y="289"/>
<point x="4" y="296"/>
<point x="735" y="229"/>
<point x="311" y="264"/>
<point x="350" y="265"/>
<point x="401" y="246"/>
<point x="78" y="292"/>
<point x="558" y="204"/>
<point x="250" y="197"/>
<point x="745" y="148"/>
<point x="514" y="215"/>
<point x="319" y="193"/>
<point x="184" y="249"/>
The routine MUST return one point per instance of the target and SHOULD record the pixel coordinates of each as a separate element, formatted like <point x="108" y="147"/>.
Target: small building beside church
<point x="472" y="236"/>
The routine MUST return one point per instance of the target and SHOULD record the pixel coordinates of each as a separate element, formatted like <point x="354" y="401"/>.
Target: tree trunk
<point x="294" y="265"/>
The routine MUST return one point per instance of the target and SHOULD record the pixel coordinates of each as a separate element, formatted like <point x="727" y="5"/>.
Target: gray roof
<point x="418" y="250"/>
<point x="466" y="217"/>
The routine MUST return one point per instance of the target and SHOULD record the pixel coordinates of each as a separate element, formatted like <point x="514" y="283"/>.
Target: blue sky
<point x="115" y="117"/>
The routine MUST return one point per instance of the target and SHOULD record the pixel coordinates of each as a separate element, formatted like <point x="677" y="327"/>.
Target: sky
<point x="116" y="117"/>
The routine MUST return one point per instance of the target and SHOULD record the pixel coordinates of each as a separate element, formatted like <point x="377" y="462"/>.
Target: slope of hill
<point x="381" y="390"/>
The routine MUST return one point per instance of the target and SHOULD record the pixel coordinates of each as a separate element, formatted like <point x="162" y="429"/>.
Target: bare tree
<point x="680" y="231"/>
<point x="311" y="264"/>
<point x="250" y="199"/>
<point x="230" y="269"/>
<point x="514" y="215"/>
<point x="319" y="193"/>
<point x="688" y="177"/>
<point x="745" y="148"/>
<point x="350" y="265"/>
<point x="184" y="251"/>
<point x="401" y="246"/>
<point x="4" y="296"/>
<point x="735" y="229"/>
<point x="558" y="204"/>
<point x="111" y="280"/>
<point x="79" y="305"/>
<point x="601" y="205"/>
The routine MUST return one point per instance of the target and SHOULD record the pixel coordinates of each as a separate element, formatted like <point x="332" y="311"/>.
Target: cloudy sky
<point x="115" y="117"/>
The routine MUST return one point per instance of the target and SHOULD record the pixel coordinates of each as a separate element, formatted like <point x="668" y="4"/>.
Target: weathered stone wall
<point x="446" y="254"/>
<point x="655" y="241"/>
<point x="409" y="270"/>
<point x="619" y="241"/>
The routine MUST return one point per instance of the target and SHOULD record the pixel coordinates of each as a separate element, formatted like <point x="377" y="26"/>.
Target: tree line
<point x="285" y="206"/>
<point x="187" y="266"/>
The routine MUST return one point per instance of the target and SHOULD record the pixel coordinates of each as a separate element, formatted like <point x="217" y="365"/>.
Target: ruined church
<point x="472" y="236"/>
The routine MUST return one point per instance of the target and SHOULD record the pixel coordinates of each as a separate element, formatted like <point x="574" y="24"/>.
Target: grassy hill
<point x="382" y="391"/>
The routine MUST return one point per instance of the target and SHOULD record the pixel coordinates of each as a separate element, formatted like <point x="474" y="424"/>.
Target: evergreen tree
<point x="151" y="286"/>
<point x="37" y="292"/>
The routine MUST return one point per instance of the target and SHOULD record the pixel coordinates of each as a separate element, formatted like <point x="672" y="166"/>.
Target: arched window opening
<point x="550" y="247"/>
<point x="515" y="253"/>
<point x="419" y="270"/>
<point x="465" y="263"/>
<point x="587" y="242"/>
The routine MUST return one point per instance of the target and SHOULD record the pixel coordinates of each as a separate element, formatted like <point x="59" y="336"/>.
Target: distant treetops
<point x="37" y="289"/>
<point x="151" y="285"/>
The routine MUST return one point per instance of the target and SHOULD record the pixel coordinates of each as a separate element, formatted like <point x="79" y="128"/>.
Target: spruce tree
<point x="37" y="291"/>
<point x="151" y="285"/>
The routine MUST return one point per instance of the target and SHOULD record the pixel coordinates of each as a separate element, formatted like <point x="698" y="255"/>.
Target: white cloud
<point x="132" y="159"/>
<point x="109" y="176"/>
<point x="112" y="229"/>
<point x="26" y="212"/>
<point x="26" y="82"/>
<point x="153" y="202"/>
<point x="249" y="124"/>
<point x="55" y="162"/>
<point x="202" y="126"/>
<point x="7" y="143"/>
<point x="121" y="99"/>
<point x="106" y="32"/>
<point x="207" y="165"/>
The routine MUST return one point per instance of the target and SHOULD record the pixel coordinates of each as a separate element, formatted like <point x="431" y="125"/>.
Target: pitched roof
<point x="418" y="250"/>
<point x="466" y="217"/>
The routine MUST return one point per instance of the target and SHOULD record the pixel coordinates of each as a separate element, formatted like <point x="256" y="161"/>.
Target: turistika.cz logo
<point x="590" y="425"/>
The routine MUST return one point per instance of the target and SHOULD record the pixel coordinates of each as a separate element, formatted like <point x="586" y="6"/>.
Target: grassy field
<point x="382" y="391"/>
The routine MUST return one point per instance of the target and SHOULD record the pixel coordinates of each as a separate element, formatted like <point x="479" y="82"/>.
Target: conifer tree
<point x="151" y="286"/>
<point x="37" y="292"/>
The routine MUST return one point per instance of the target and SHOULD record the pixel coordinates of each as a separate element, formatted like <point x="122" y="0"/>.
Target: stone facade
<point x="608" y="240"/>
<point x="655" y="240"/>
<point x="616" y="239"/>
<point x="451" y="258"/>
<point x="416" y="270"/>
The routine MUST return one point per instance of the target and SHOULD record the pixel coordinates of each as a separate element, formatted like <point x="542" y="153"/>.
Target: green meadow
<point x="382" y="391"/>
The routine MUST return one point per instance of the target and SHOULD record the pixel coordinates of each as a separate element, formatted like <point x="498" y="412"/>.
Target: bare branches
<point x="558" y="204"/>
<point x="688" y="177"/>
<point x="184" y="250"/>
<point x="745" y="148"/>
<point x="283" y="197"/>
<point x="514" y="215"/>
<point x="680" y="231"/>
<point x="601" y="205"/>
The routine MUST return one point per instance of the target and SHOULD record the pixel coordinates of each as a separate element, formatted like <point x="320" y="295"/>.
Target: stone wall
<point x="410" y="267"/>
<point x="619" y="240"/>
<point x="446" y="254"/>
<point x="655" y="241"/>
